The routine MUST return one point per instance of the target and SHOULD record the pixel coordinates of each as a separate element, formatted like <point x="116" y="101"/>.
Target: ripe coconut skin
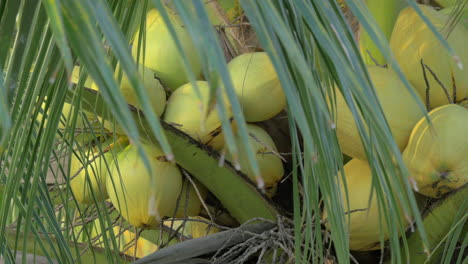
<point x="399" y="107"/>
<point x="161" y="52"/>
<point x="270" y="165"/>
<point x="364" y="226"/>
<point x="257" y="86"/>
<point x="144" y="197"/>
<point x="92" y="172"/>
<point x="412" y="40"/>
<point x="185" y="111"/>
<point x="437" y="155"/>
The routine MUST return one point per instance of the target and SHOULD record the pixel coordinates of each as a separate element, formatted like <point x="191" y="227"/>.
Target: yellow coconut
<point x="413" y="41"/>
<point x="399" y="107"/>
<point x="190" y="203"/>
<point x="364" y="222"/>
<point x="88" y="172"/>
<point x="153" y="88"/>
<point x="161" y="52"/>
<point x="266" y="154"/>
<point x="126" y="239"/>
<point x="437" y="156"/>
<point x="193" y="227"/>
<point x="144" y="197"/>
<point x="197" y="118"/>
<point x="257" y="86"/>
<point x="76" y="77"/>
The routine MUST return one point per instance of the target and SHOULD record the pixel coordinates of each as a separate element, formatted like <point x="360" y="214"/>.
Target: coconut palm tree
<point x="315" y="49"/>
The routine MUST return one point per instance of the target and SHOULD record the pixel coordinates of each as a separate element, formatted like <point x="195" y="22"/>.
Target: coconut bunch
<point x="146" y="189"/>
<point x="435" y="150"/>
<point x="149" y="192"/>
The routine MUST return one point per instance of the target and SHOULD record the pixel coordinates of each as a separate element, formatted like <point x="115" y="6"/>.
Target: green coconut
<point x="437" y="155"/>
<point x="144" y="197"/>
<point x="89" y="171"/>
<point x="413" y="41"/>
<point x="400" y="109"/>
<point x="193" y="116"/>
<point x="365" y="219"/>
<point x="257" y="86"/>
<point x="161" y="52"/>
<point x="266" y="155"/>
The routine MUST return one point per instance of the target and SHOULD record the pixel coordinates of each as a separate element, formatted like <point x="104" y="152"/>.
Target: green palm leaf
<point x="313" y="51"/>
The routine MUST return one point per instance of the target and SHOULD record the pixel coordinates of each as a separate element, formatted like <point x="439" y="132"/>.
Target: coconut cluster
<point x="143" y="186"/>
<point x="434" y="149"/>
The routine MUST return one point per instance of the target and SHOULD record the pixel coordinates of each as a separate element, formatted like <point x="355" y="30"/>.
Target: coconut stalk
<point x="385" y="13"/>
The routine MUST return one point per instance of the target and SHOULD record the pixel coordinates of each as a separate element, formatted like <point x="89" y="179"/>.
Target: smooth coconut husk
<point x="364" y="218"/>
<point x="144" y="197"/>
<point x="161" y="52"/>
<point x="89" y="173"/>
<point x="413" y="41"/>
<point x="399" y="107"/>
<point x="267" y="157"/>
<point x="257" y="86"/>
<point x="437" y="154"/>
<point x="193" y="116"/>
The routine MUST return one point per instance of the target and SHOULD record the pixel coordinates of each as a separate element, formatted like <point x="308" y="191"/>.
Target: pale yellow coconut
<point x="257" y="86"/>
<point x="267" y="157"/>
<point x="412" y="40"/>
<point x="193" y="227"/>
<point x="144" y="197"/>
<point x="161" y="52"/>
<point x="195" y="117"/>
<point x="437" y="155"/>
<point x="127" y="241"/>
<point x="401" y="111"/>
<point x="153" y="88"/>
<point x="365" y="220"/>
<point x="88" y="171"/>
